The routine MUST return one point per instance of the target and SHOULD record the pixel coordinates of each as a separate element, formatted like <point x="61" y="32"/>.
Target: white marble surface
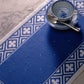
<point x="12" y="12"/>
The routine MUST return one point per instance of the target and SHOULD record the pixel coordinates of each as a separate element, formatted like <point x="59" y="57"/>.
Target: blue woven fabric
<point x="47" y="54"/>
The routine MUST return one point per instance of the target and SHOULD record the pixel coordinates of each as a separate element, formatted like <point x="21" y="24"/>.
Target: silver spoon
<point x="74" y="28"/>
<point x="57" y="21"/>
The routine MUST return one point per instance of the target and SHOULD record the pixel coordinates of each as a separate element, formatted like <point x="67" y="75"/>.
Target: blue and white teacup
<point x="63" y="10"/>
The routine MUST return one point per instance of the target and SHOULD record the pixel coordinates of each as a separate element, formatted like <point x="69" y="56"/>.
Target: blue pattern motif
<point x="71" y="65"/>
<point x="22" y="34"/>
<point x="67" y="69"/>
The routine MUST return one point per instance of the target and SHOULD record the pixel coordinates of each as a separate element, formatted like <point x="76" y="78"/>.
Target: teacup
<point x="63" y="10"/>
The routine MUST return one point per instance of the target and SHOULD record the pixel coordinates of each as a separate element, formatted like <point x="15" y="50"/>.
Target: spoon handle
<point x="56" y="21"/>
<point x="74" y="28"/>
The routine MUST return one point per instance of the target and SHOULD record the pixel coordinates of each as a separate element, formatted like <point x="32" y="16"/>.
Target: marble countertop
<point x="12" y="12"/>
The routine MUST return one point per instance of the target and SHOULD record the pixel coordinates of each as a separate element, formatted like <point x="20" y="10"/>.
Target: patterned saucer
<point x="73" y="21"/>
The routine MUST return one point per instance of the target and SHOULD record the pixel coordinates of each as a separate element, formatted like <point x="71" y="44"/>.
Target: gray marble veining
<point x="12" y="12"/>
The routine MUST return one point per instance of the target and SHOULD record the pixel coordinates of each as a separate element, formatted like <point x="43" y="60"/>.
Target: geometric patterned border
<point x="77" y="76"/>
<point x="80" y="5"/>
<point x="28" y="29"/>
<point x="22" y="34"/>
<point x="68" y="68"/>
<point x="71" y="65"/>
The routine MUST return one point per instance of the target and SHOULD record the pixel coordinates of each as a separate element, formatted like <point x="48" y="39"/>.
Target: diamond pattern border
<point x="66" y="70"/>
<point x="71" y="65"/>
<point x="23" y="34"/>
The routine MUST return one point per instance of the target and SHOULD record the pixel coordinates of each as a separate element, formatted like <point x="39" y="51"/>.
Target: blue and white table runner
<point x="38" y="54"/>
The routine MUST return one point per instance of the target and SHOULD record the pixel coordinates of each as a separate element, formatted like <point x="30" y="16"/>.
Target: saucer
<point x="60" y="26"/>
